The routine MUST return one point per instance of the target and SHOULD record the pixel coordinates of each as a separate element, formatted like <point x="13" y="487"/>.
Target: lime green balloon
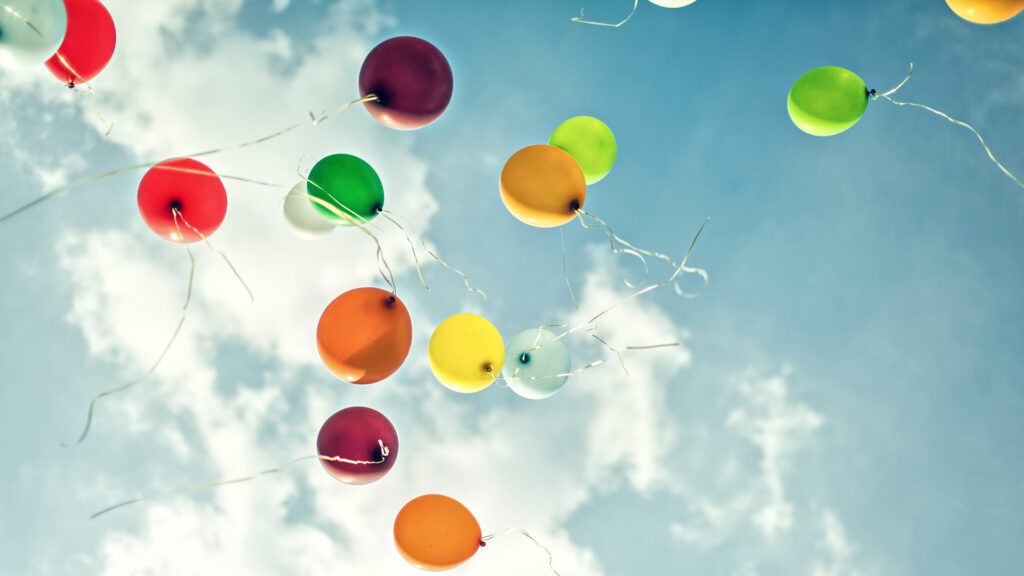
<point x="827" y="100"/>
<point x="590" y="142"/>
<point x="345" y="190"/>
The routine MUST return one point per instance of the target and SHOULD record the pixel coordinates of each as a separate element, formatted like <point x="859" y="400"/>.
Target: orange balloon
<point x="435" y="532"/>
<point x="543" y="186"/>
<point x="986" y="11"/>
<point x="364" y="335"/>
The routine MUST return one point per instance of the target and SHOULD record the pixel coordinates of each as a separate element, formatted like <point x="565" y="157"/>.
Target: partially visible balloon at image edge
<point x="672" y="3"/>
<point x="435" y="532"/>
<point x="32" y="30"/>
<point x="536" y="364"/>
<point x="302" y="218"/>
<point x="591" y="142"/>
<point x="826" y="101"/>
<point x="986" y="11"/>
<point x="411" y="79"/>
<point x="182" y="200"/>
<point x="466" y="353"/>
<point x="88" y="44"/>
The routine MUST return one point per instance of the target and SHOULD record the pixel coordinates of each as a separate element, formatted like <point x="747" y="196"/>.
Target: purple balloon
<point x="411" y="79"/>
<point x="357" y="445"/>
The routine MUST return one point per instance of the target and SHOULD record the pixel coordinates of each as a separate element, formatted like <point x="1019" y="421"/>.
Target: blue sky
<point x="846" y="400"/>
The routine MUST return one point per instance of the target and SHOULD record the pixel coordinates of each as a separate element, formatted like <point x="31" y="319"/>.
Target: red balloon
<point x="190" y="187"/>
<point x="411" y="79"/>
<point x="357" y="445"/>
<point x="88" y="43"/>
<point x="364" y="335"/>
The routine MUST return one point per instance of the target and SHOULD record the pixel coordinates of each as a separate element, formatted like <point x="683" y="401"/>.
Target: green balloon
<point x="827" y="100"/>
<point x="590" y="142"/>
<point x="536" y="364"/>
<point x="348" y="185"/>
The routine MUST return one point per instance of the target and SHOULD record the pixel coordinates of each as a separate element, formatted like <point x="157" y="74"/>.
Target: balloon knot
<point x="524" y="358"/>
<point x="488" y="368"/>
<point x="872" y="94"/>
<point x="483" y="544"/>
<point x="575" y="205"/>
<point x="377" y="208"/>
<point x="71" y="84"/>
<point x="391" y="299"/>
<point x="175" y="206"/>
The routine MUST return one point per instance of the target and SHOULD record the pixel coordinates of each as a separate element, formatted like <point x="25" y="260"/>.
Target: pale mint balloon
<point x="673" y="3"/>
<point x="536" y="365"/>
<point x="302" y="217"/>
<point x="32" y="30"/>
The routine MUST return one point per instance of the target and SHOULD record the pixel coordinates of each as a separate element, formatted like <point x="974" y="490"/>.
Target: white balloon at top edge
<point x="301" y="217"/>
<point x="32" y="30"/>
<point x="673" y="3"/>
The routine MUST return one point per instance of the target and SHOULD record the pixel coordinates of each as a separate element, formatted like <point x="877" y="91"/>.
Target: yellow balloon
<point x="986" y="11"/>
<point x="466" y="353"/>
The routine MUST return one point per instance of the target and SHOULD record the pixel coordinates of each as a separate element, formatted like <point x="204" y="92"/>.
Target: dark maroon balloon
<point x="354" y="437"/>
<point x="411" y="79"/>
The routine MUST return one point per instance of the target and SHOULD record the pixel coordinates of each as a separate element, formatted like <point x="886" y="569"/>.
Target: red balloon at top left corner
<point x="182" y="200"/>
<point x="88" y="43"/>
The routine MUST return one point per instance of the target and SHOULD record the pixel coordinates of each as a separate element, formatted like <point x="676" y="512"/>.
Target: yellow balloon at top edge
<point x="466" y="353"/>
<point x="543" y="186"/>
<point x="986" y="11"/>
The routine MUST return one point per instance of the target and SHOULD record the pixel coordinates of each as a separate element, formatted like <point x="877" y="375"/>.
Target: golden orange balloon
<point x="986" y="11"/>
<point x="435" y="532"/>
<point x="543" y="186"/>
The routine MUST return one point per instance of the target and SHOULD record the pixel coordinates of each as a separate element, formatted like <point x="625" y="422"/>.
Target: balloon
<point x="435" y="532"/>
<point x="542" y="186"/>
<point x="673" y="3"/>
<point x="538" y="364"/>
<point x="304" y="220"/>
<point x="357" y="445"/>
<point x="590" y="142"/>
<point x="466" y="353"/>
<point x="188" y="186"/>
<point x="827" y="100"/>
<point x="411" y="79"/>
<point x="348" y="184"/>
<point x="364" y="335"/>
<point x="88" y="44"/>
<point x="32" y="30"/>
<point x="986" y="11"/>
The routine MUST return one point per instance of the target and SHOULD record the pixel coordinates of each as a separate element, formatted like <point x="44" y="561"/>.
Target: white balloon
<point x="32" y="30"/>
<point x="673" y="3"/>
<point x="301" y="217"/>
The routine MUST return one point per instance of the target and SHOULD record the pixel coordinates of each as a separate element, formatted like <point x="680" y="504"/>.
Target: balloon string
<point x="17" y="15"/>
<point x="167" y="347"/>
<point x="209" y="245"/>
<point x="383" y="451"/>
<point x="342" y="108"/>
<point x="391" y="217"/>
<point x="565" y="274"/>
<point x="351" y="217"/>
<point x="95" y="109"/>
<point x="679" y="269"/>
<point x="626" y="19"/>
<point x="105" y="175"/>
<point x="875" y="96"/>
<point x="640" y="252"/>
<point x="551" y="559"/>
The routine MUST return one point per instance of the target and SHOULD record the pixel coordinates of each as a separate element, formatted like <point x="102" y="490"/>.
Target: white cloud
<point x="837" y="550"/>
<point x="734" y="489"/>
